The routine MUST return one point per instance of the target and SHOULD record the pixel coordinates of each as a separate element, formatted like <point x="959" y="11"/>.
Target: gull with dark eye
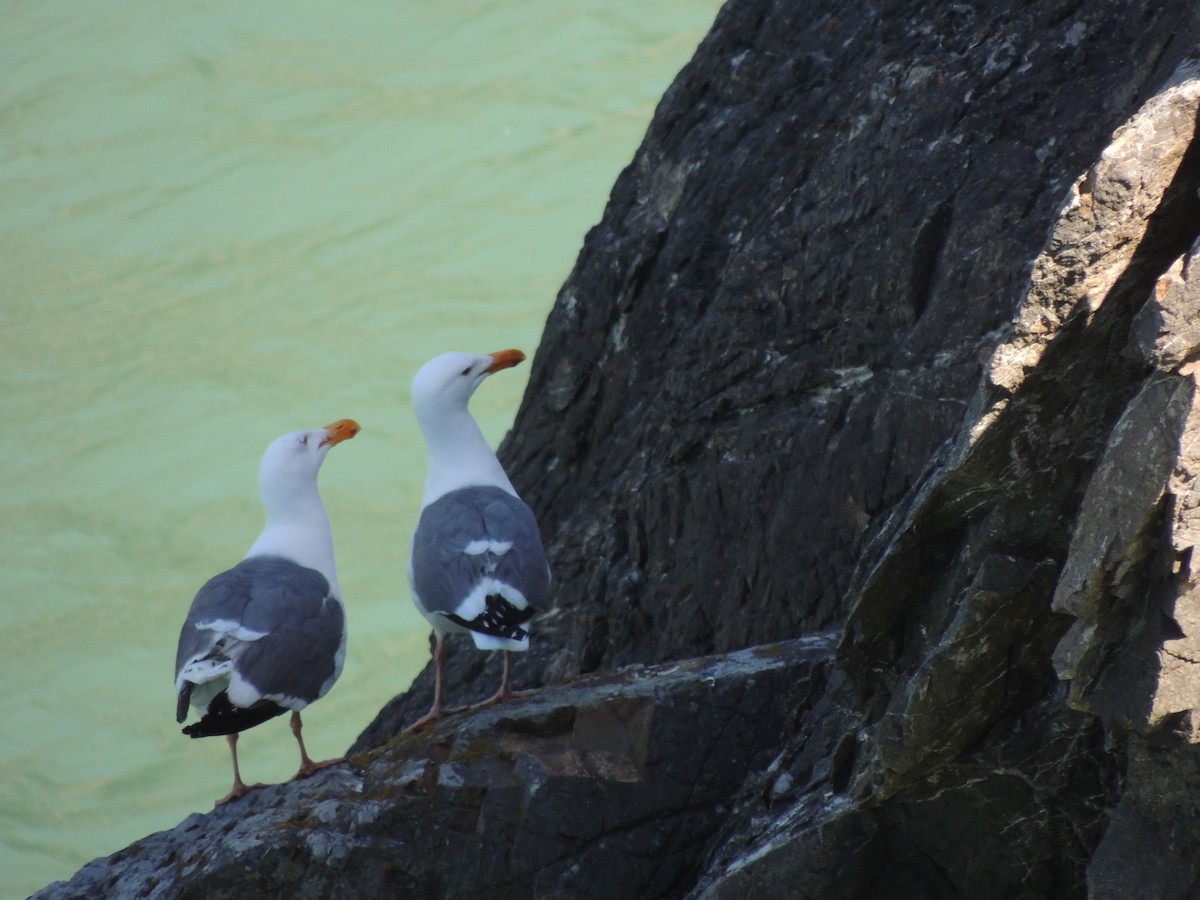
<point x="477" y="564"/>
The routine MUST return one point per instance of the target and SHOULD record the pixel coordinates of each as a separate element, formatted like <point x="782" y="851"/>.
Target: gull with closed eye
<point x="269" y="635"/>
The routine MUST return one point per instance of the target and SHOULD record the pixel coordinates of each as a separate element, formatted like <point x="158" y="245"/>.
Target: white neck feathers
<point x="458" y="454"/>
<point x="298" y="529"/>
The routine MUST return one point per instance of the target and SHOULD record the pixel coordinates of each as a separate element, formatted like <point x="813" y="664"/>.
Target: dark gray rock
<point x="1050" y="543"/>
<point x="1149" y="847"/>
<point x="603" y="788"/>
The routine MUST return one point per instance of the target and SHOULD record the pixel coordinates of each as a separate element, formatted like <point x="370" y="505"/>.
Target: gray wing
<point x="445" y="573"/>
<point x="272" y="621"/>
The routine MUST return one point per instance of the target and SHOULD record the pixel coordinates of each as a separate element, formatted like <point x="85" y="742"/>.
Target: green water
<point x="221" y="222"/>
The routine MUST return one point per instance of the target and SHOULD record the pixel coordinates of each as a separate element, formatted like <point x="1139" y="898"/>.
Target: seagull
<point x="269" y="635"/>
<point x="477" y="563"/>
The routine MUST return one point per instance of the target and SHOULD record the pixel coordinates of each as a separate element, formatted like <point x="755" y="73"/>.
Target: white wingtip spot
<point x="477" y="548"/>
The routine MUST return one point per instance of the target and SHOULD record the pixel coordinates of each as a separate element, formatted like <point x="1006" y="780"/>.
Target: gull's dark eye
<point x="466" y="371"/>
<point x="304" y="439"/>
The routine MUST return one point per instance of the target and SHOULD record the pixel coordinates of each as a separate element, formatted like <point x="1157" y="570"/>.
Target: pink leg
<point x="307" y="766"/>
<point x="504" y="691"/>
<point x="437" y="710"/>
<point x="240" y="788"/>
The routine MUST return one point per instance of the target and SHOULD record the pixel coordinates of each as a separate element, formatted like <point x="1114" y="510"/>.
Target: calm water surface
<point x="219" y="223"/>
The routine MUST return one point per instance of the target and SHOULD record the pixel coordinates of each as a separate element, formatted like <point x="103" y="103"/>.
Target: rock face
<point x="890" y="331"/>
<point x="1018" y="658"/>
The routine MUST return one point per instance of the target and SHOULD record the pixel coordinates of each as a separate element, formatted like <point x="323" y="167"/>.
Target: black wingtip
<point x="185" y="697"/>
<point x="222" y="717"/>
<point x="500" y="619"/>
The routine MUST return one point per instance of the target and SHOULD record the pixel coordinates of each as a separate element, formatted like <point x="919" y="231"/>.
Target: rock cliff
<point x="881" y="363"/>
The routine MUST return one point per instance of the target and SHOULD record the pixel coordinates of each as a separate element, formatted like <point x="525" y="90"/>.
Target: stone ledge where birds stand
<point x="560" y="790"/>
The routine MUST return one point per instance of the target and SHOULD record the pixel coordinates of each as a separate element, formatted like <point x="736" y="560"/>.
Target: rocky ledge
<point x="609" y="785"/>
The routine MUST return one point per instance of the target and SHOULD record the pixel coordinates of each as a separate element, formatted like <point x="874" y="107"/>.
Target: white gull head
<point x="458" y="453"/>
<point x="297" y="527"/>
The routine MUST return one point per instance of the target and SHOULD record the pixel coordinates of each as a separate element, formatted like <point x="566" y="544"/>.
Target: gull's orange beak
<point x="341" y="430"/>
<point x="504" y="359"/>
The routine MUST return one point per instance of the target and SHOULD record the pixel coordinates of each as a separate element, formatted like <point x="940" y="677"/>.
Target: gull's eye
<point x="304" y="439"/>
<point x="466" y="371"/>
